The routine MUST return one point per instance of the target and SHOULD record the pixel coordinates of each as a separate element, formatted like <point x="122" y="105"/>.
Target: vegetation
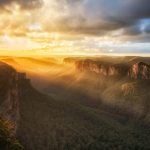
<point x="7" y="139"/>
<point x="68" y="125"/>
<point x="72" y="115"/>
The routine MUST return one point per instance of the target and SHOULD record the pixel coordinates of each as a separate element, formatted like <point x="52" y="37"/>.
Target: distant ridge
<point x="139" y="70"/>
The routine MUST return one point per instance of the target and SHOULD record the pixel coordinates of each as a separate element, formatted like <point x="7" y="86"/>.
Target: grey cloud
<point x="103" y="16"/>
<point x="147" y="29"/>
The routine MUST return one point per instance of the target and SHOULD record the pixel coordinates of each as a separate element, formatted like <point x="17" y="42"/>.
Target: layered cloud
<point x="75" y="21"/>
<point x="23" y="4"/>
<point x="102" y="16"/>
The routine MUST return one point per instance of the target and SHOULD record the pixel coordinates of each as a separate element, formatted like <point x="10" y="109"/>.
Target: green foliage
<point x="72" y="120"/>
<point x="7" y="139"/>
<point x="68" y="125"/>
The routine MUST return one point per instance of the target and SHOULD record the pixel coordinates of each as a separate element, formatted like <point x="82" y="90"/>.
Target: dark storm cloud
<point x="131" y="10"/>
<point x="103" y="16"/>
<point x="83" y="26"/>
<point x="139" y="9"/>
<point x="24" y="4"/>
<point x="147" y="29"/>
<point x="93" y="17"/>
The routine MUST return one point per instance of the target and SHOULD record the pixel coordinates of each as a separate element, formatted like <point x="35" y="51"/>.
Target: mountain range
<point x="86" y="103"/>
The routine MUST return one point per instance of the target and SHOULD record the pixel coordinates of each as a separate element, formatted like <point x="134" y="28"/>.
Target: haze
<point x="74" y="74"/>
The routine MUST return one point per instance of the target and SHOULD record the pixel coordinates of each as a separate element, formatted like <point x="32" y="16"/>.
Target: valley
<point x="77" y="103"/>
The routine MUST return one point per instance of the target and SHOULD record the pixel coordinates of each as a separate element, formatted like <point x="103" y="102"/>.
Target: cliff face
<point x="10" y="92"/>
<point x="140" y="71"/>
<point x="102" y="68"/>
<point x="44" y="123"/>
<point x="136" y="71"/>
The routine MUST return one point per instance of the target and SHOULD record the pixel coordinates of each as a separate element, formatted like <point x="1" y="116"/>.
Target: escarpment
<point x="10" y="83"/>
<point x="136" y="71"/>
<point x="140" y="71"/>
<point x="91" y="108"/>
<point x="102" y="68"/>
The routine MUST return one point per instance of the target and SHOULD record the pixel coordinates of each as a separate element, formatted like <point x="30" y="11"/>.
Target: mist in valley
<point x="60" y="78"/>
<point x="80" y="102"/>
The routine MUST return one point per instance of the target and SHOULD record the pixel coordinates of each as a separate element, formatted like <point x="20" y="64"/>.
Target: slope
<point x="45" y="123"/>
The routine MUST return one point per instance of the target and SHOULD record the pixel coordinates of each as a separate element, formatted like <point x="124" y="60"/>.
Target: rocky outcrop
<point x="140" y="71"/>
<point x="128" y="89"/>
<point x="10" y="87"/>
<point x="102" y="68"/>
<point x="133" y="71"/>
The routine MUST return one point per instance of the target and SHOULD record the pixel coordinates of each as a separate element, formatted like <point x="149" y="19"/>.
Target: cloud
<point x="23" y="4"/>
<point x="75" y="21"/>
<point x="88" y="17"/>
<point x="99" y="17"/>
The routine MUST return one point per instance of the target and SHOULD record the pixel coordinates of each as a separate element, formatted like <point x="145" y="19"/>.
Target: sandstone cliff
<point x="136" y="71"/>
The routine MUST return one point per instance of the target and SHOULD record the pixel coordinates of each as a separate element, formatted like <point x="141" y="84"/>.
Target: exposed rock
<point x="136" y="71"/>
<point x="9" y="103"/>
<point x="140" y="71"/>
<point x="128" y="88"/>
<point x="105" y="69"/>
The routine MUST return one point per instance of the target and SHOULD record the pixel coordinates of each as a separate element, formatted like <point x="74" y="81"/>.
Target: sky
<point x="78" y="27"/>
